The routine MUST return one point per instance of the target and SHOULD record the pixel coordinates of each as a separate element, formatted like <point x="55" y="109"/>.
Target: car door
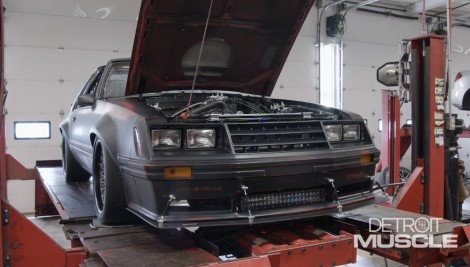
<point x="80" y="123"/>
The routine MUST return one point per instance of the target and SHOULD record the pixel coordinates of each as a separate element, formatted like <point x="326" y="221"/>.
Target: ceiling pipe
<point x="364" y="3"/>
<point x="460" y="20"/>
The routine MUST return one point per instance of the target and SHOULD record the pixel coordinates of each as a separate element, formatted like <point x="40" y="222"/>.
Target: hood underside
<point x="246" y="44"/>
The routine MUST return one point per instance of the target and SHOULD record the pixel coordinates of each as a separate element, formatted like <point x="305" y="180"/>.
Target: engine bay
<point x="227" y="106"/>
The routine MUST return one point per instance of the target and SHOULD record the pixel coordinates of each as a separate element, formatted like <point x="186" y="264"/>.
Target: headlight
<point x="201" y="138"/>
<point x="333" y="132"/>
<point x="166" y="138"/>
<point x="351" y="132"/>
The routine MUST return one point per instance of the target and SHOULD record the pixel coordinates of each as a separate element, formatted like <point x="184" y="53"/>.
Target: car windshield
<point x="116" y="81"/>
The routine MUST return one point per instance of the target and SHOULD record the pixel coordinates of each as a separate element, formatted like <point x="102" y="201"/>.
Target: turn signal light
<point x="366" y="159"/>
<point x="177" y="173"/>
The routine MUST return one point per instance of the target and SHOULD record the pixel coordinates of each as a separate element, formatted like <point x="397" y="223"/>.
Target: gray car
<point x="185" y="134"/>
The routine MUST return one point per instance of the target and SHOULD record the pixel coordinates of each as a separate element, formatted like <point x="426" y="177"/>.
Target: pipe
<point x="385" y="13"/>
<point x="196" y="111"/>
<point x="423" y="19"/>
<point x="359" y="5"/>
<point x="447" y="81"/>
<point x="377" y="6"/>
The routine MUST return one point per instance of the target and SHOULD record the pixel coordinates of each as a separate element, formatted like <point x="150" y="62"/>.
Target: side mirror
<point x="387" y="74"/>
<point x="85" y="100"/>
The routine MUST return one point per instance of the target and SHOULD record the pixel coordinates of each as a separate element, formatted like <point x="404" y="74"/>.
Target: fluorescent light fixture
<point x="330" y="91"/>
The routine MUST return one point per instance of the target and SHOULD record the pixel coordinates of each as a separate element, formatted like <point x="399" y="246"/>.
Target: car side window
<point x="91" y="90"/>
<point x="91" y="86"/>
<point x="116" y="81"/>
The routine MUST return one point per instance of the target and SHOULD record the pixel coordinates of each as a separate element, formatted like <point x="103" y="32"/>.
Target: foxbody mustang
<point x="185" y="134"/>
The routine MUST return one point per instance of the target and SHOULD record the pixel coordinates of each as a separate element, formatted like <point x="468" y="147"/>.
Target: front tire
<point x="72" y="170"/>
<point x="110" y="201"/>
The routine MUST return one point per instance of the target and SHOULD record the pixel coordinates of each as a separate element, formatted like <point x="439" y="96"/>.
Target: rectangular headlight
<point x="333" y="132"/>
<point x="351" y="132"/>
<point x="166" y="138"/>
<point x="201" y="138"/>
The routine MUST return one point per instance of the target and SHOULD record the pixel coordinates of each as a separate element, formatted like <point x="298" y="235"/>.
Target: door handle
<point x="73" y="119"/>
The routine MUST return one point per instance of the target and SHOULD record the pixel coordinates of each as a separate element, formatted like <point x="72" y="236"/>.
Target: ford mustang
<point x="185" y="133"/>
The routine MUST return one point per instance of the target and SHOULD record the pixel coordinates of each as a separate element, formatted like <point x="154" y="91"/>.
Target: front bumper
<point x="220" y="180"/>
<point x="200" y="219"/>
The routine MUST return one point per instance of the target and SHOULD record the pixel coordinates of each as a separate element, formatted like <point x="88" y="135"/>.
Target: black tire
<point x="110" y="201"/>
<point x="72" y="170"/>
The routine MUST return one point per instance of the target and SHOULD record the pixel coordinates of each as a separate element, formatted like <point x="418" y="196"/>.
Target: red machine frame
<point x="424" y="191"/>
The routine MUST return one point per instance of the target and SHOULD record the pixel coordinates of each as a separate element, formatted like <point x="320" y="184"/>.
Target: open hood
<point x="246" y="44"/>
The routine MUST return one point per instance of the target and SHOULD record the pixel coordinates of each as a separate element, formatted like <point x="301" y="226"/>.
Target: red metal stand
<point x="391" y="127"/>
<point x="427" y="72"/>
<point x="3" y="180"/>
<point x="26" y="245"/>
<point x="425" y="131"/>
<point x="410" y="197"/>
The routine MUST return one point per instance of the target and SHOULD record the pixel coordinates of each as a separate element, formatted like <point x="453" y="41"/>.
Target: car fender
<point x="64" y="130"/>
<point x="105" y="130"/>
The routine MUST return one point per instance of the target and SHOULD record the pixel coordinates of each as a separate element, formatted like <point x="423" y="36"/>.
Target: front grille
<point x="277" y="136"/>
<point x="282" y="199"/>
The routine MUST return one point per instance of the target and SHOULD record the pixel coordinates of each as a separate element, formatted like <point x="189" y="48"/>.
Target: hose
<point x="196" y="111"/>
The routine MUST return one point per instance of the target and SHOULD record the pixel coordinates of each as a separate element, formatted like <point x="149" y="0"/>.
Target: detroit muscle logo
<point x="410" y="232"/>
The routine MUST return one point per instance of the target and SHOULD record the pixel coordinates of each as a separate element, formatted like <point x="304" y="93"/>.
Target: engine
<point x="175" y="106"/>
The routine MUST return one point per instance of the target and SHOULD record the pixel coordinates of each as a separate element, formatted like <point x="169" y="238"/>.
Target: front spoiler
<point x="200" y="219"/>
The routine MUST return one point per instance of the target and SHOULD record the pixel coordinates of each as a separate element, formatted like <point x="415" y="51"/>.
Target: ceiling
<point x="128" y="10"/>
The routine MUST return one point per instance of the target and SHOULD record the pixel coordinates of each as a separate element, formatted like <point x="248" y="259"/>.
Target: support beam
<point x="417" y="8"/>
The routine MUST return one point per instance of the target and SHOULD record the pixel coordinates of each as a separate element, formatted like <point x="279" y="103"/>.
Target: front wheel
<point x="110" y="201"/>
<point x="72" y="170"/>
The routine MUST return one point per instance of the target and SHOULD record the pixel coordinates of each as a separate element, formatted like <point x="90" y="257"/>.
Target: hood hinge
<point x="141" y="87"/>
<point x="265" y="89"/>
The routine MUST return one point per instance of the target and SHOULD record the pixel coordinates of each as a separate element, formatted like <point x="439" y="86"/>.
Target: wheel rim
<point x="404" y="175"/>
<point x="102" y="181"/>
<point x="64" y="159"/>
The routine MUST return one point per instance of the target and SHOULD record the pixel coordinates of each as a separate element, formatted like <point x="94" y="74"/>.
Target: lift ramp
<point x="323" y="241"/>
<point x="73" y="201"/>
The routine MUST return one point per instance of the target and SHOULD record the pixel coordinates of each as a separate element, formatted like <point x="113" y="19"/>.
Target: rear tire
<point x="72" y="170"/>
<point x="110" y="201"/>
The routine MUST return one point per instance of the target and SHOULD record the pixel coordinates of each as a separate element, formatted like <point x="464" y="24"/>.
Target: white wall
<point x="370" y="41"/>
<point x="297" y="79"/>
<point x="34" y="65"/>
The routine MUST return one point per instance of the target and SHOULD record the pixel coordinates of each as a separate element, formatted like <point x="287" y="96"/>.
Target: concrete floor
<point x="51" y="226"/>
